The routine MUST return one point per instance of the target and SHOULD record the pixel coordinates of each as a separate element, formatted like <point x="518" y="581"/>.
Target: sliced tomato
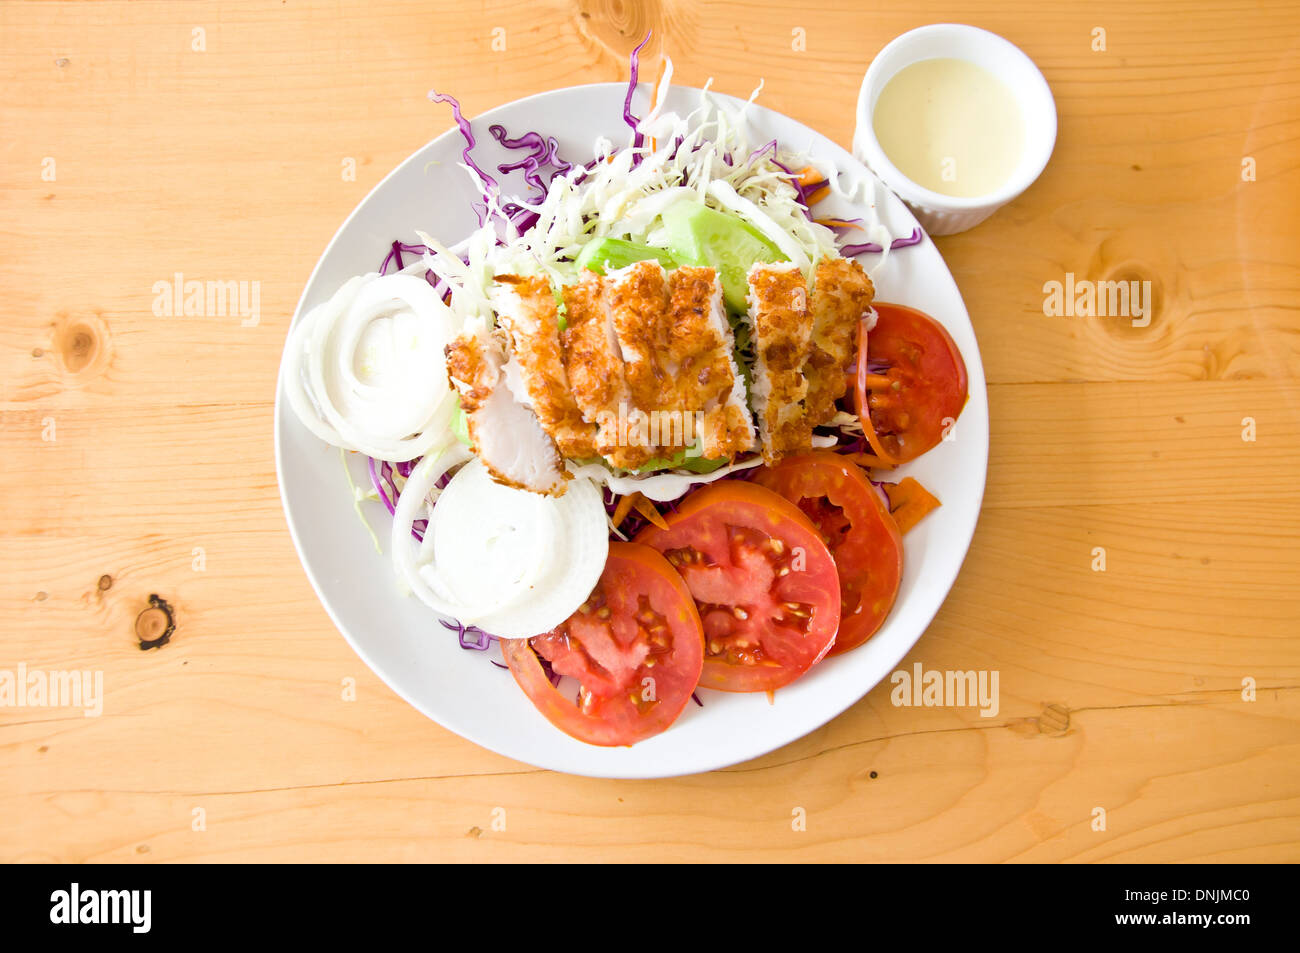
<point x="635" y="647"/>
<point x="910" y="384"/>
<point x="762" y="578"/>
<point x="851" y="517"/>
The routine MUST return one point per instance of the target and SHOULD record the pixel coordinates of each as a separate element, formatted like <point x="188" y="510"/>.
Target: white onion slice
<point x="366" y="368"/>
<point x="407" y="552"/>
<point x="491" y="543"/>
<point x="514" y="563"/>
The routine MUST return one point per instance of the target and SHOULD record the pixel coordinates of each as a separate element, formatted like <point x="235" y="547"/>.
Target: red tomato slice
<point x="635" y="647"/>
<point x="852" y="519"/>
<point x="762" y="578"/>
<point x="910" y="384"/>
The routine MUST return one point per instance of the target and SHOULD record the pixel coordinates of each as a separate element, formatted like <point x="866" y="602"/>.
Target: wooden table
<point x="211" y="139"/>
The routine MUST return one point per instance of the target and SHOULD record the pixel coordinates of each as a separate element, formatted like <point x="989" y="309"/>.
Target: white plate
<point x="402" y="640"/>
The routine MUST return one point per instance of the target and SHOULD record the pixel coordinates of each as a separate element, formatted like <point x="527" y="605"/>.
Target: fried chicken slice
<point x="705" y="379"/>
<point x="841" y="296"/>
<point x="526" y="309"/>
<point x="506" y="435"/>
<point x="594" y="364"/>
<point x="782" y="330"/>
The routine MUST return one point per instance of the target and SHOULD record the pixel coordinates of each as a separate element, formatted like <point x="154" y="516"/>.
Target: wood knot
<point x="81" y="344"/>
<point x="619" y="25"/>
<point x="1145" y="293"/>
<point x="1133" y="277"/>
<point x="105" y="582"/>
<point x="1054" y="721"/>
<point x="154" y="626"/>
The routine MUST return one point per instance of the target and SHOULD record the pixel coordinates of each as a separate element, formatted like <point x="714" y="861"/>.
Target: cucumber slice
<point x="680" y="461"/>
<point x="610" y="254"/>
<point x="460" y="425"/>
<point x="699" y="235"/>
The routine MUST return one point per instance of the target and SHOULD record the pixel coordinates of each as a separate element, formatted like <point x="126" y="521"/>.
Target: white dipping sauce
<point x="950" y="126"/>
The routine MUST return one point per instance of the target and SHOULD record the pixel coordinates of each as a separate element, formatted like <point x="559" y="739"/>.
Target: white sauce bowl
<point x="947" y="214"/>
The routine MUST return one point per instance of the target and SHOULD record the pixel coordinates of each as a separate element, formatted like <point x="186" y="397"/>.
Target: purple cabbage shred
<point x="637" y="139"/>
<point x="545" y="154"/>
<point x="468" y="133"/>
<point x="848" y="251"/>
<point x="383" y="478"/>
<point x="394" y="257"/>
<point x="471" y="636"/>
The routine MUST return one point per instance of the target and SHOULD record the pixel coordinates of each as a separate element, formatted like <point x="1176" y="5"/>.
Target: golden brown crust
<point x="638" y="305"/>
<point x="649" y="361"/>
<point x="597" y="372"/>
<point x="782" y="335"/>
<point x="842" y="294"/>
<point x="473" y="376"/>
<point x="694" y="346"/>
<point x="700" y="348"/>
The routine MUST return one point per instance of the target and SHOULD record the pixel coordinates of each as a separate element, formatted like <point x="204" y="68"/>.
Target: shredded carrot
<point x="647" y="509"/>
<point x="624" y="507"/>
<point x="659" y="79"/>
<point x="636" y="501"/>
<point x="810" y="176"/>
<point x="870" y="461"/>
<point x="876" y="381"/>
<point x="835" y="223"/>
<point x="909" y="503"/>
<point x="654" y="104"/>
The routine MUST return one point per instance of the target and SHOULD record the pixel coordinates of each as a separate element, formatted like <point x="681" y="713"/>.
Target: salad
<point x="637" y="429"/>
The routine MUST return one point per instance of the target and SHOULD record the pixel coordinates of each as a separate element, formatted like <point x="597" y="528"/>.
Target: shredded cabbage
<point x="705" y="154"/>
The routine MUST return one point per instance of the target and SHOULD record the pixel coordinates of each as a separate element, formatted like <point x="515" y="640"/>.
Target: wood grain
<point x="1120" y="689"/>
